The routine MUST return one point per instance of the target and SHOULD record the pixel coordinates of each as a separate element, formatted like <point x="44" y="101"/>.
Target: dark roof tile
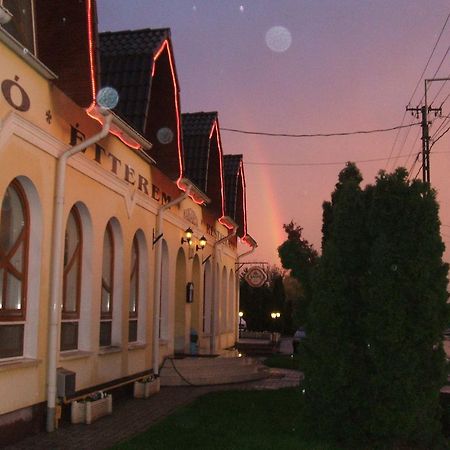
<point x="126" y="59"/>
<point x="231" y="167"/>
<point x="196" y="130"/>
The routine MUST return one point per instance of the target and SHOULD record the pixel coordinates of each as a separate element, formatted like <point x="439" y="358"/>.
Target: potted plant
<point x="91" y="408"/>
<point x="146" y="386"/>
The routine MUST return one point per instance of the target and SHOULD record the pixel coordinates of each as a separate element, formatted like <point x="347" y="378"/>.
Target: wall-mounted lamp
<point x="188" y="236"/>
<point x="201" y="244"/>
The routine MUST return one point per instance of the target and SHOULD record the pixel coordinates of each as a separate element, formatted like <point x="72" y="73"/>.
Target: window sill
<point x="20" y="363"/>
<point x="74" y="354"/>
<point x="110" y="349"/>
<point x="136" y="345"/>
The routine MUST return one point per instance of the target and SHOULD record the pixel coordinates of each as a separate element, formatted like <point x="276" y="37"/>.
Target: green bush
<point x="374" y="361"/>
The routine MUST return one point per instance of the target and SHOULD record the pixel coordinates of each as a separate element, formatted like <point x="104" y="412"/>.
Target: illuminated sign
<point x="255" y="277"/>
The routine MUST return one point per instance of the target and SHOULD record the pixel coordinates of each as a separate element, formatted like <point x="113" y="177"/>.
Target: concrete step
<point x="198" y="362"/>
<point x="207" y="371"/>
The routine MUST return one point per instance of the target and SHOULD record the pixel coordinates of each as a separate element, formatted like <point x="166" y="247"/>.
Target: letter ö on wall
<point x="21" y="102"/>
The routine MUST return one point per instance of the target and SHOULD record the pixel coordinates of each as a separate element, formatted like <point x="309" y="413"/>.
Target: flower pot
<point x="88" y="411"/>
<point x="144" y="389"/>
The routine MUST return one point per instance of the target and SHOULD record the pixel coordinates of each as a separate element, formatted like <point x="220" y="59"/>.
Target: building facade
<point x="97" y="273"/>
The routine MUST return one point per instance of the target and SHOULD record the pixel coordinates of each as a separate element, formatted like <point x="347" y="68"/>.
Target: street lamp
<point x="241" y="322"/>
<point x="275" y="315"/>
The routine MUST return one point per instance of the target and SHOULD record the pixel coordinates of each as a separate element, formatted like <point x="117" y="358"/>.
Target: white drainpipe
<point x="56" y="266"/>
<point x="215" y="295"/>
<point x="157" y="280"/>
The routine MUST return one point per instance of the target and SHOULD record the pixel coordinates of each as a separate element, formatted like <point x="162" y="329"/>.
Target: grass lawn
<point x="283" y="361"/>
<point x="232" y="420"/>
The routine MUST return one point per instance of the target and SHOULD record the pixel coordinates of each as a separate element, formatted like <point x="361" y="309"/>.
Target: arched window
<point x="134" y="292"/>
<point x="14" y="237"/>
<point x="106" y="311"/>
<point x="73" y="245"/>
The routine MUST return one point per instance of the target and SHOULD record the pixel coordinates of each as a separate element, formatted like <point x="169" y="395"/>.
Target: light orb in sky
<point x="278" y="39"/>
<point x="107" y="97"/>
<point x="241" y="8"/>
<point x="164" y="135"/>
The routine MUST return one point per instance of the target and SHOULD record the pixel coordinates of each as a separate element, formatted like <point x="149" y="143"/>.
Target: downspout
<point x="212" y="344"/>
<point x="56" y="265"/>
<point x="238" y="288"/>
<point x="157" y="280"/>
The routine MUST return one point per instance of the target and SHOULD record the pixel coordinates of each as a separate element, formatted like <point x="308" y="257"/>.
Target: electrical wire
<point x="312" y="135"/>
<point x="439" y="137"/>
<point x="414" y="92"/>
<point x="429" y="59"/>
<point x="327" y="163"/>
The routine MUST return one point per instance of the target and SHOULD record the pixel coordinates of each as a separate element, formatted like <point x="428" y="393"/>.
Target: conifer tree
<point x="332" y="356"/>
<point x="405" y="295"/>
<point x="373" y="358"/>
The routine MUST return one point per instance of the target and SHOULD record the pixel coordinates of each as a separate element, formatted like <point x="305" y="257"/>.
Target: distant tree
<point x="299" y="257"/>
<point x="258" y="303"/>
<point x="373" y="357"/>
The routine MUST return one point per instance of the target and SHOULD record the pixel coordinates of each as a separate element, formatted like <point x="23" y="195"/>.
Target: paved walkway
<point x="133" y="416"/>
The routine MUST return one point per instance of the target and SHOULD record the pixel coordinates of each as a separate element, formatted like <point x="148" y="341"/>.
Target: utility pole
<point x="424" y="111"/>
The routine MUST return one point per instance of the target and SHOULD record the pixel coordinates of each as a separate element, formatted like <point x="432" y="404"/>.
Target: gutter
<point x="212" y="344"/>
<point x="157" y="280"/>
<point x="56" y="266"/>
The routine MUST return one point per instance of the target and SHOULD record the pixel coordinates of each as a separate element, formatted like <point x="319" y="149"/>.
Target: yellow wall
<point x="30" y="142"/>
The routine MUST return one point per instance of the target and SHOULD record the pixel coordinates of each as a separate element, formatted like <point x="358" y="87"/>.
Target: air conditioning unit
<point x="65" y="382"/>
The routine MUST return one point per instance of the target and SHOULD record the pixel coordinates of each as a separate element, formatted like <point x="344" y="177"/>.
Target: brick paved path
<point x="133" y="416"/>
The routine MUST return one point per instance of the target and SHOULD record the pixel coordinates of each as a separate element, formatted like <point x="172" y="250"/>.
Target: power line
<point x="439" y="137"/>
<point x="414" y="92"/>
<point x="327" y="163"/>
<point x="429" y="59"/>
<point x="311" y="135"/>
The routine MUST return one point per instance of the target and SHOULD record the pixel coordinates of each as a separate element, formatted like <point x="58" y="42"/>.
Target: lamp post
<point x="241" y="322"/>
<point x="275" y="315"/>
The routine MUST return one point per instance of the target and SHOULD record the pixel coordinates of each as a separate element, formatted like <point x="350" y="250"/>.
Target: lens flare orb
<point x="278" y="39"/>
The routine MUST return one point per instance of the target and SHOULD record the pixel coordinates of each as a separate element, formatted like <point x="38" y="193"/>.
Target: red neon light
<point x="93" y="112"/>
<point x="91" y="49"/>
<point x="195" y="198"/>
<point x="222" y="190"/>
<point x="247" y="240"/>
<point x="164" y="46"/>
<point x="92" y="109"/>
<point x="244" y="195"/>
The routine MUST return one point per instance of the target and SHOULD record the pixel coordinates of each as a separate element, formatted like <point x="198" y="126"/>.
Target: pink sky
<point x="351" y="65"/>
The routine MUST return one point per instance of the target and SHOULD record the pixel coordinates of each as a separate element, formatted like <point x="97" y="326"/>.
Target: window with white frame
<point x="73" y="245"/>
<point x="14" y="240"/>
<point x="107" y="295"/>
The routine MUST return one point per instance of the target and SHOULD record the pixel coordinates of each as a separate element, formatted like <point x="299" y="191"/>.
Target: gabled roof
<point x="231" y="166"/>
<point x="235" y="193"/>
<point x="203" y="157"/>
<point x="197" y="128"/>
<point x="126" y="61"/>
